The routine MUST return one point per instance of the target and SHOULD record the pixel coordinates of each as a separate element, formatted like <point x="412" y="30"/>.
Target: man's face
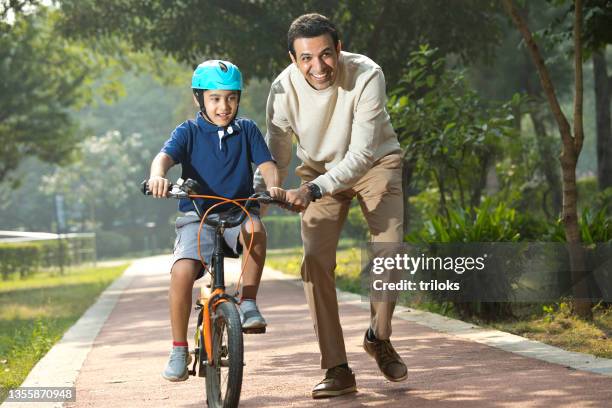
<point x="317" y="60"/>
<point x="221" y="106"/>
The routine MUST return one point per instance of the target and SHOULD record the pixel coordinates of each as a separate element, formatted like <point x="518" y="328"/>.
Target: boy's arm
<point x="270" y="175"/>
<point x="158" y="184"/>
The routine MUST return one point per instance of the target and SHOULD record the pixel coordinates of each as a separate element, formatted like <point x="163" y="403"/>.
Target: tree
<point x="597" y="36"/>
<point x="39" y="78"/>
<point x="253" y="33"/>
<point x="42" y="76"/>
<point x="571" y="141"/>
<point x="104" y="174"/>
<point x="451" y="137"/>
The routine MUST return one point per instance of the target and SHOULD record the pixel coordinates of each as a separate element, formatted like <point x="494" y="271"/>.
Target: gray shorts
<point x="186" y="243"/>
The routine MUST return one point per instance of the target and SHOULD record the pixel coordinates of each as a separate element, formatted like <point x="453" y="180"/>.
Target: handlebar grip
<point x="145" y="188"/>
<point x="267" y="199"/>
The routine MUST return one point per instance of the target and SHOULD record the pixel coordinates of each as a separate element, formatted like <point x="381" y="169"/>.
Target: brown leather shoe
<point x="337" y="381"/>
<point x="389" y="362"/>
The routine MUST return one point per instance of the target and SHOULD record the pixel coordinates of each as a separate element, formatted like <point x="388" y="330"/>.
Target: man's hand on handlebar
<point x="300" y="198"/>
<point x="280" y="195"/>
<point x="158" y="186"/>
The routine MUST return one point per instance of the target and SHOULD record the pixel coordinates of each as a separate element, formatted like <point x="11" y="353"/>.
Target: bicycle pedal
<point x="257" y="330"/>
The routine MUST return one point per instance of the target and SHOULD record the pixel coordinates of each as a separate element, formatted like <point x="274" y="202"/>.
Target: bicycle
<point x="218" y="338"/>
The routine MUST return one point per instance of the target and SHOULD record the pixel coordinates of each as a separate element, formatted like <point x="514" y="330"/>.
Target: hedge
<point x="23" y="258"/>
<point x="283" y="231"/>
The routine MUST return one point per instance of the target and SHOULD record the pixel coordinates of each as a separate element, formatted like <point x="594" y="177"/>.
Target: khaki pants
<point x="379" y="193"/>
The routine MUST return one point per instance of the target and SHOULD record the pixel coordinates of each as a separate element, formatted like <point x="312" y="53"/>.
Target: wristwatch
<point x="314" y="191"/>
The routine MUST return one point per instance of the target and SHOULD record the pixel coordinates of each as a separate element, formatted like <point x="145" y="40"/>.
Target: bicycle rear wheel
<point x="224" y="371"/>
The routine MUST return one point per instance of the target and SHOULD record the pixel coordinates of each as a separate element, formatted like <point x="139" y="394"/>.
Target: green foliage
<point x="487" y="223"/>
<point x="559" y="310"/>
<point x="253" y="33"/>
<point x="85" y="184"/>
<point x="356" y="226"/>
<point x="19" y="258"/>
<point x="283" y="231"/>
<point x="24" y="258"/>
<point x="111" y="244"/>
<point x="40" y="78"/>
<point x="450" y="134"/>
<point x="594" y="228"/>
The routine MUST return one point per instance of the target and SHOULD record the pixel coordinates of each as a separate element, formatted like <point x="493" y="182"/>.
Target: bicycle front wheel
<point x="224" y="370"/>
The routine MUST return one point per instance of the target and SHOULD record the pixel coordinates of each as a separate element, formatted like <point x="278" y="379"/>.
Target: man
<point x="333" y="102"/>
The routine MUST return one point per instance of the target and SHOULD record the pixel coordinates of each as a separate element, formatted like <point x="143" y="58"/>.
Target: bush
<point x="19" y="257"/>
<point x="356" y="226"/>
<point x="24" y="258"/>
<point x="594" y="228"/>
<point x="111" y="244"/>
<point x="283" y="231"/>
<point x="488" y="223"/>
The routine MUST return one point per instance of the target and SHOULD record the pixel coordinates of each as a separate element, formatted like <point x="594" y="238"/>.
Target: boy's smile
<point x="221" y="106"/>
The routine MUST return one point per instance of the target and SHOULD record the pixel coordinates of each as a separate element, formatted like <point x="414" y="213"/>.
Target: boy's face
<point x="221" y="106"/>
<point x="317" y="60"/>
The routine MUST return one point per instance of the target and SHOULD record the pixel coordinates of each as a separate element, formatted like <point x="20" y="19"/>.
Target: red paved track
<point x="123" y="368"/>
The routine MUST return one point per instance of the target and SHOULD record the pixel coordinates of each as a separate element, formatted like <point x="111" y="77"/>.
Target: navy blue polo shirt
<point x="218" y="158"/>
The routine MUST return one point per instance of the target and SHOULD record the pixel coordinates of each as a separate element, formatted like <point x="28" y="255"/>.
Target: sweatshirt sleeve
<point x="278" y="136"/>
<point x="368" y="117"/>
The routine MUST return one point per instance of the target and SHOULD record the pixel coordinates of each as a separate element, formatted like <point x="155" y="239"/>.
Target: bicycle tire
<point x="224" y="376"/>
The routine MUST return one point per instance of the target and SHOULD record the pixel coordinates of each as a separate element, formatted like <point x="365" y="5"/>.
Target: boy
<point x="216" y="149"/>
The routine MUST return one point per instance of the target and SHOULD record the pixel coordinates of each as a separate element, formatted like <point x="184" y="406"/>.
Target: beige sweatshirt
<point x="341" y="131"/>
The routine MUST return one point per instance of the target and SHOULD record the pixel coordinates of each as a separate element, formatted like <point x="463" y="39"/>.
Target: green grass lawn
<point x="557" y="327"/>
<point x="35" y="312"/>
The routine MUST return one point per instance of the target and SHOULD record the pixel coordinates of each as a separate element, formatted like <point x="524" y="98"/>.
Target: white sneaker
<point x="176" y="369"/>
<point x="250" y="316"/>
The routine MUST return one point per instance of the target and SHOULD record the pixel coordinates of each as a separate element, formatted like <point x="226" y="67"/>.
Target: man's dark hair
<point x="309" y="26"/>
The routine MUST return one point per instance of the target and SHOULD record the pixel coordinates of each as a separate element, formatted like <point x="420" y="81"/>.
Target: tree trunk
<point x="381" y="21"/>
<point x="407" y="172"/>
<point x="482" y="182"/>
<point x="604" y="124"/>
<point x="572" y="145"/>
<point x="549" y="169"/>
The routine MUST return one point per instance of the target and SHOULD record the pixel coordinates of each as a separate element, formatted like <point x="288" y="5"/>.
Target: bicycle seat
<point x="231" y="218"/>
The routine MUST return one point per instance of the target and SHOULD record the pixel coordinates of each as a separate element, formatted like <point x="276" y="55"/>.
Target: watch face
<point x="315" y="191"/>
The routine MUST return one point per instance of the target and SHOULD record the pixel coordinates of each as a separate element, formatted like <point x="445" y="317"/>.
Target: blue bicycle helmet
<point x="215" y="74"/>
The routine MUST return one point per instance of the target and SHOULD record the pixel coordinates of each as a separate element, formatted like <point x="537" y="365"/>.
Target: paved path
<point x="123" y="367"/>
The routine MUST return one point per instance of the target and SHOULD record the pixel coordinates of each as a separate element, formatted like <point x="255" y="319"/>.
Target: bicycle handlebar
<point x="186" y="190"/>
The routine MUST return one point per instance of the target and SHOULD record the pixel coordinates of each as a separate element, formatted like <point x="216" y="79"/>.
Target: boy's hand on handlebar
<point x="278" y="194"/>
<point x="158" y="186"/>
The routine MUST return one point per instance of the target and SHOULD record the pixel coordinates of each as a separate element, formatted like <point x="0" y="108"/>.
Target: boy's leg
<point x="254" y="263"/>
<point x="253" y="266"/>
<point x="184" y="273"/>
